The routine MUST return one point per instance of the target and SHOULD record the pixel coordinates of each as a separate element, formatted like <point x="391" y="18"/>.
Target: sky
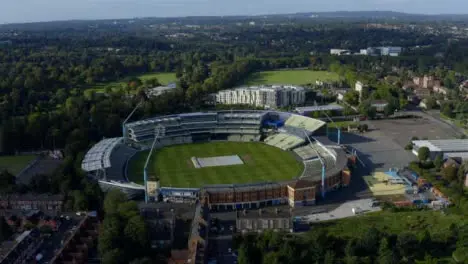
<point x="14" y="11"/>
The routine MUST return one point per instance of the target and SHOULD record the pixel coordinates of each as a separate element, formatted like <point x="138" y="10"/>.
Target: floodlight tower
<point x="159" y="131"/>
<point x="321" y="162"/>
<point x="124" y="132"/>
<point x="337" y="127"/>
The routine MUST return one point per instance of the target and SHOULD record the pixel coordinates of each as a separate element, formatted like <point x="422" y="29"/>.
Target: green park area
<point x="297" y="77"/>
<point x="14" y="164"/>
<point x="391" y="236"/>
<point x="163" y="77"/>
<point x="437" y="223"/>
<point x="173" y="165"/>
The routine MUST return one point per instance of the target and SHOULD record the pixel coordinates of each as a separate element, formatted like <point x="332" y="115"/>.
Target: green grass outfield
<point x="14" y="164"/>
<point x="297" y="77"/>
<point x="174" y="167"/>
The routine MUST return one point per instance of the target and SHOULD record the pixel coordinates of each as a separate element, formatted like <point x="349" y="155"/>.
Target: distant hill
<point x="381" y="15"/>
<point x="338" y="15"/>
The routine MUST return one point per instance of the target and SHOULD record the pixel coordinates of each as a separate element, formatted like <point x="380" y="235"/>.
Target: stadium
<point x="229" y="159"/>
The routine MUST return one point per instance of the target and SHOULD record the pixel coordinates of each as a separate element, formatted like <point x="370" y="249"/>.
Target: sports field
<point x="163" y="77"/>
<point x="174" y="167"/>
<point x="297" y="77"/>
<point x="14" y="164"/>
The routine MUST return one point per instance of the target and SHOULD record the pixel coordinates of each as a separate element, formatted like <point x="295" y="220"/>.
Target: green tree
<point x="7" y="181"/>
<point x="423" y="153"/>
<point x="460" y="255"/>
<point x="385" y="254"/>
<point x="113" y="256"/>
<point x="392" y="105"/>
<point x="407" y="245"/>
<point x="128" y="209"/>
<point x="243" y="255"/>
<point x="271" y="258"/>
<point x="365" y="93"/>
<point x="352" y="98"/>
<point x="350" y="250"/>
<point x="136" y="232"/>
<point x="329" y="257"/>
<point x="369" y="241"/>
<point x="447" y="110"/>
<point x="110" y="235"/>
<point x="347" y="111"/>
<point x="366" y="109"/>
<point x="431" y="103"/>
<point x="438" y="162"/>
<point x="428" y="259"/>
<point x="450" y="173"/>
<point x="112" y="201"/>
<point x="80" y="201"/>
<point x="425" y="241"/>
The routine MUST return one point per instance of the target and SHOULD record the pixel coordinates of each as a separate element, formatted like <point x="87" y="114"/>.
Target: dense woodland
<point x="373" y="245"/>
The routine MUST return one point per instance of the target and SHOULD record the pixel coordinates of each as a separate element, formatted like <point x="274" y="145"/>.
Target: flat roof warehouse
<point x="443" y="145"/>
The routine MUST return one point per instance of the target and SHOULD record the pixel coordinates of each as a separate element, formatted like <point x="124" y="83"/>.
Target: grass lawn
<point x="163" y="77"/>
<point x="14" y="164"/>
<point x="174" y="167"/>
<point x="297" y="77"/>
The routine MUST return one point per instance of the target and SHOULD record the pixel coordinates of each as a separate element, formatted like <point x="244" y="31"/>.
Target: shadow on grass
<point x="255" y="78"/>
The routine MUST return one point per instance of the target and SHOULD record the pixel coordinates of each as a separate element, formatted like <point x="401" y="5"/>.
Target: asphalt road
<point x="220" y="242"/>
<point x="54" y="242"/>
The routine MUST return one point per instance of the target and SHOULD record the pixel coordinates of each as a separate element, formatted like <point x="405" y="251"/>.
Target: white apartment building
<point x="273" y="96"/>
<point x="340" y="52"/>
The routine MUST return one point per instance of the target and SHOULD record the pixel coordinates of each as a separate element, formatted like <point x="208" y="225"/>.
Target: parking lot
<point x="402" y="130"/>
<point x="378" y="151"/>
<point x="382" y="147"/>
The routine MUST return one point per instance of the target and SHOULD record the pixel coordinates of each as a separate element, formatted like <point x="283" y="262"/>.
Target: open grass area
<point x="297" y="77"/>
<point x="174" y="167"/>
<point x="14" y="164"/>
<point x="163" y="77"/>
